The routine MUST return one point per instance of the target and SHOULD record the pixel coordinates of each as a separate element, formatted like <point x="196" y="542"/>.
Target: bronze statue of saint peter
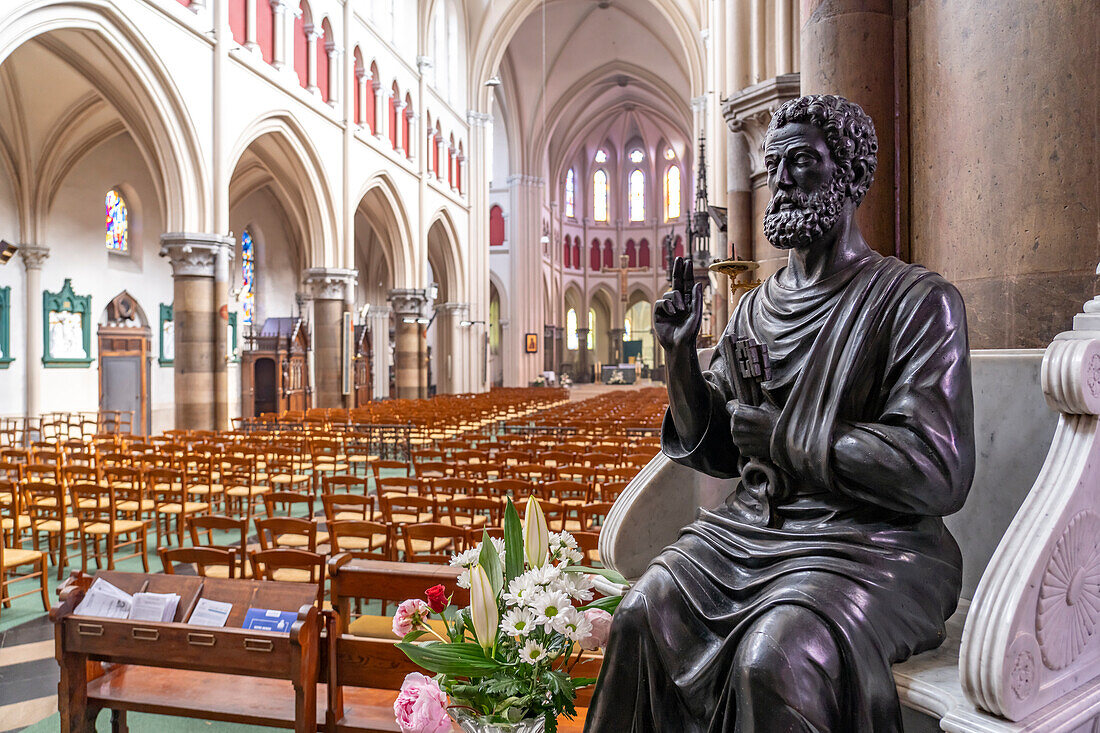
<point x="840" y="396"/>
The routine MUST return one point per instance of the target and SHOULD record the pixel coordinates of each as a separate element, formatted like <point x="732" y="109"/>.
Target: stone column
<point x="223" y="258"/>
<point x="381" y="111"/>
<point x="848" y="49"/>
<point x="362" y="78"/>
<point x="584" y="369"/>
<point x="747" y="114"/>
<point x="278" y="50"/>
<point x="449" y="362"/>
<point x="334" y="66"/>
<point x="313" y="34"/>
<point x="193" y="258"/>
<point x="408" y="304"/>
<point x="250" y="27"/>
<point x="33" y="257"/>
<point x="410" y="144"/>
<point x="423" y="377"/>
<point x="378" y="320"/>
<point x="616" y="345"/>
<point x="399" y="133"/>
<point x="327" y="287"/>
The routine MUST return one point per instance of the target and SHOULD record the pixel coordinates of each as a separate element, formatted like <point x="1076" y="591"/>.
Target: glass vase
<point x="476" y="724"/>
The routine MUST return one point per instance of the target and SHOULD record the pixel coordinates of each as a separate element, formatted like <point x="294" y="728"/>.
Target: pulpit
<point x="275" y="368"/>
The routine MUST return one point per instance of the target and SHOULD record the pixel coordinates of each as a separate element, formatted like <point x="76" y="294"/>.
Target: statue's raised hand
<point x="679" y="312"/>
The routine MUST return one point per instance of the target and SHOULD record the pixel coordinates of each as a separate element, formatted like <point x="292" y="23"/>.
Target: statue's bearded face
<point x="808" y="189"/>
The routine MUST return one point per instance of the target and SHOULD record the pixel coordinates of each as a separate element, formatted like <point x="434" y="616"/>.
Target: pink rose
<point x="410" y="615"/>
<point x="601" y="629"/>
<point x="421" y="707"/>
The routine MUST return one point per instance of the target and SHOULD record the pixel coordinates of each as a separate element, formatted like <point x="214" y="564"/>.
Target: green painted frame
<point x="166" y="314"/>
<point x="5" y="327"/>
<point x="66" y="301"/>
<point x="234" y="355"/>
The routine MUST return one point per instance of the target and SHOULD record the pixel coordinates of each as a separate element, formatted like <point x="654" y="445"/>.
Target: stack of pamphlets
<point x="108" y="601"/>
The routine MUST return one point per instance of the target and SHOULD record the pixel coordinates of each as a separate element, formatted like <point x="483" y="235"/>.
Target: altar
<point x="619" y="373"/>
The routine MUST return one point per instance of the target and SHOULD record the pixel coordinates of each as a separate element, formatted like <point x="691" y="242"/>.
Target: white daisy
<point x="578" y="586"/>
<point x="518" y="622"/>
<point x="520" y="590"/>
<point x="532" y="652"/>
<point x="572" y="623"/>
<point x="466" y="559"/>
<point x="549" y="604"/>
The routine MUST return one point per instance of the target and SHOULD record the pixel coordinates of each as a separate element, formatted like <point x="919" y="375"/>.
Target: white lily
<point x="536" y="537"/>
<point x="483" y="608"/>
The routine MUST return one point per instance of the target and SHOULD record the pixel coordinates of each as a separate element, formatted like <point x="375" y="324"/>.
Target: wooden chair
<point x="445" y="489"/>
<point x="46" y="504"/>
<point x="532" y="472"/>
<point x="203" y="558"/>
<point x="609" y="490"/>
<point x="292" y="566"/>
<point x="377" y="467"/>
<point x="593" y="516"/>
<point x="14" y="557"/>
<point x="481" y="472"/>
<point x="165" y="487"/>
<point x="433" y="470"/>
<point x="347" y="506"/>
<point x="472" y="512"/>
<point x="198" y="479"/>
<point x="46" y="473"/>
<point x="100" y="518"/>
<point x="327" y="459"/>
<point x="235" y="528"/>
<point x="583" y="474"/>
<point x="397" y="486"/>
<point x="14" y="520"/>
<point x="287" y="532"/>
<point x="237" y="475"/>
<point x="345" y="485"/>
<point x="361" y="539"/>
<point x="589" y="545"/>
<point x="398" y="509"/>
<point x="516" y="489"/>
<point x="286" y="470"/>
<point x="431" y="542"/>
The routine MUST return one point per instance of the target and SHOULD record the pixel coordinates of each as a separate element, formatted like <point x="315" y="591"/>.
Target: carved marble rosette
<point x="1032" y="634"/>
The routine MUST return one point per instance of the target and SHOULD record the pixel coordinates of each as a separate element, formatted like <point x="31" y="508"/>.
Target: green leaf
<point x="414" y="635"/>
<point x="583" y="681"/>
<point x="607" y="603"/>
<point x="490" y="560"/>
<point x="608" y="573"/>
<point x="464" y="660"/>
<point x="513" y="542"/>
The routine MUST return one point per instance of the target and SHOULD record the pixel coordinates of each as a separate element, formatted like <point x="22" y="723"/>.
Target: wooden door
<point x="265" y="388"/>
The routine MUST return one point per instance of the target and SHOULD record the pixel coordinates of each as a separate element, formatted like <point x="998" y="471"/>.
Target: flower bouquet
<point x="504" y="661"/>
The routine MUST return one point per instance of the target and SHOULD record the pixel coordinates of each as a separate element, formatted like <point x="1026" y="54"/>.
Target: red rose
<point x="437" y="598"/>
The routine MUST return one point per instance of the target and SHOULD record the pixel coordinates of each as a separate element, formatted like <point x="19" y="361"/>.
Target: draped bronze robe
<point x="875" y="443"/>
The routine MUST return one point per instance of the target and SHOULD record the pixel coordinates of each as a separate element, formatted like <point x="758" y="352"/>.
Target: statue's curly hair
<point x="849" y="133"/>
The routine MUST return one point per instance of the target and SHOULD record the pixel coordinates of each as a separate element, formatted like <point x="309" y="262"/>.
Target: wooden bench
<point x="225" y="674"/>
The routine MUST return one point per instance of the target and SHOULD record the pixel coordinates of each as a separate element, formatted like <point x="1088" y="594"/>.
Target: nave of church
<point x="399" y="242"/>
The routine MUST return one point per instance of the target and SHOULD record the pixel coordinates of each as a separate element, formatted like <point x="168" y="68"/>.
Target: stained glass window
<point x="570" y="195"/>
<point x="571" y="341"/>
<point x="248" y="273"/>
<point x="118" y="233"/>
<point x="672" y="193"/>
<point x="669" y="154"/>
<point x="591" y="328"/>
<point x="636" y="156"/>
<point x="599" y="195"/>
<point x="601" y="156"/>
<point x="637" y="196"/>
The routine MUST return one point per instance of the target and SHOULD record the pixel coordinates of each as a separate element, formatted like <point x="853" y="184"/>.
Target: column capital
<point x="378" y="312"/>
<point x="329" y="283"/>
<point x="749" y="112"/>
<point x="478" y="119"/>
<point x="699" y="103"/>
<point x="279" y="6"/>
<point x="408" y="302"/>
<point x="314" y="32"/>
<point x="193" y="254"/>
<point x="454" y="309"/>
<point x="423" y="63"/>
<point x="33" y="255"/>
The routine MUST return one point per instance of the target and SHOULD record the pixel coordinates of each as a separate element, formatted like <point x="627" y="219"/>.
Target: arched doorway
<point x="124" y="367"/>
